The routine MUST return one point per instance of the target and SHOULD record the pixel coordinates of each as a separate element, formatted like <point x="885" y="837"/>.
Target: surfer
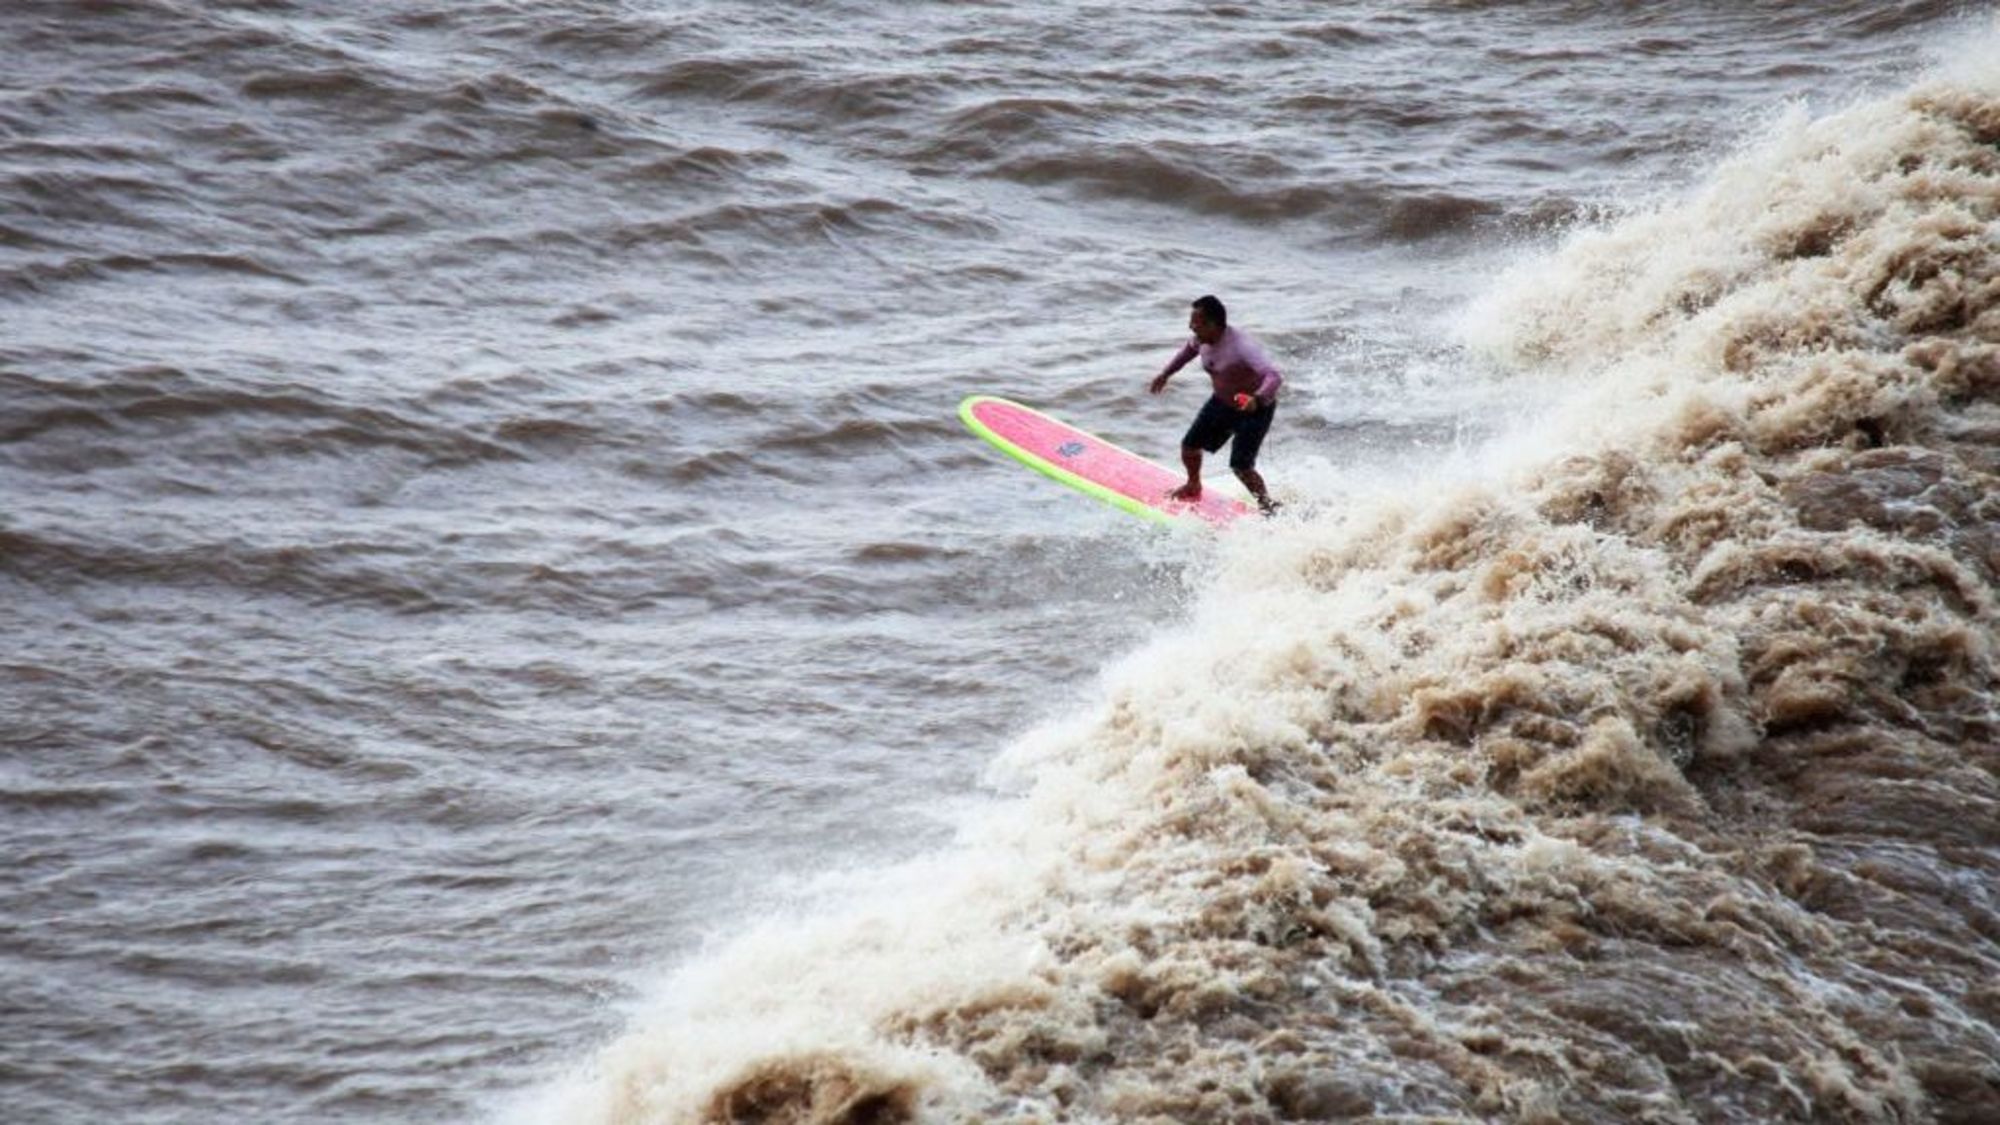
<point x="1245" y="399"/>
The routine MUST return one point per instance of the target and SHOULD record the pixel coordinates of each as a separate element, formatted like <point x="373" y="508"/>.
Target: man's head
<point x="1208" y="319"/>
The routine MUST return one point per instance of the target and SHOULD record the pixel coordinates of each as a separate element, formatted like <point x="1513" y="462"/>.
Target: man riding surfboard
<point x="1245" y="385"/>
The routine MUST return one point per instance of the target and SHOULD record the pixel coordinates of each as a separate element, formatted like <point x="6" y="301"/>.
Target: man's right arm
<point x="1188" y="351"/>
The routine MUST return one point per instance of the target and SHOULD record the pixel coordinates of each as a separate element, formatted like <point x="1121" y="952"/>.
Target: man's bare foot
<point x="1268" y="506"/>
<point x="1189" y="492"/>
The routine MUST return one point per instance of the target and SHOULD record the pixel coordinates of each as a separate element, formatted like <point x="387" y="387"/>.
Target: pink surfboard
<point x="1092" y="465"/>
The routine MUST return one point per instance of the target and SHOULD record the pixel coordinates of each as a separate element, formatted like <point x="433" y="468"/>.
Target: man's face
<point x="1204" y="329"/>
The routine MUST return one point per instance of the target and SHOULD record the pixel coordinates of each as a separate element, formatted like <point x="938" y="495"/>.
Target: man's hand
<point x="1159" y="384"/>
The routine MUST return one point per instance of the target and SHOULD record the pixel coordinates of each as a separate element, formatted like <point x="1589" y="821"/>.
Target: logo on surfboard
<point x="1071" y="448"/>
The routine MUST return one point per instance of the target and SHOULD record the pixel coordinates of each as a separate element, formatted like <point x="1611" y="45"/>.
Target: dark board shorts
<point x="1218" y="422"/>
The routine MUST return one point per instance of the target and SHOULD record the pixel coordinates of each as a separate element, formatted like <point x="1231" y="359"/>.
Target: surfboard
<point x="1091" y="465"/>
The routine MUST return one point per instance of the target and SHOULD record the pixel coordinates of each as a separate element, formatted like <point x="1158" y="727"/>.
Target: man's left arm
<point x="1268" y="378"/>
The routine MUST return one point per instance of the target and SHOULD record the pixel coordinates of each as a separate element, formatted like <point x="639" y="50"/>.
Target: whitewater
<point x="1654" y="779"/>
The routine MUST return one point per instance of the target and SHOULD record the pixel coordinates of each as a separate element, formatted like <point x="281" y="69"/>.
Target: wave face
<point x="1658" y="779"/>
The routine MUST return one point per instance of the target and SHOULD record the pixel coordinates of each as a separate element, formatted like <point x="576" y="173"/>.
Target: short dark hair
<point x="1212" y="309"/>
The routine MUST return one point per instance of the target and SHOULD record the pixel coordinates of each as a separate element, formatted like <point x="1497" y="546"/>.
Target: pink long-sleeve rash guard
<point x="1236" y="365"/>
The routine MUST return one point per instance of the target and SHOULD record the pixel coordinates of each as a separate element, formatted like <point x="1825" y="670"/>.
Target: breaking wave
<point x="1658" y="780"/>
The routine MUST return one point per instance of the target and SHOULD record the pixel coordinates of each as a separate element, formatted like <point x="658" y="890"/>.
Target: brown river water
<point x="500" y="620"/>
